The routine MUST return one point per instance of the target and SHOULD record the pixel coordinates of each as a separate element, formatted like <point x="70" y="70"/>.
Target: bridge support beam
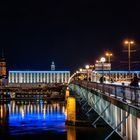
<point x="100" y="115"/>
<point x="122" y="122"/>
<point x="122" y="117"/>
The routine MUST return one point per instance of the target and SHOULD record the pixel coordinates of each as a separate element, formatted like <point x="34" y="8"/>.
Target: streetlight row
<point x="109" y="54"/>
<point x="103" y="59"/>
<point x="129" y="43"/>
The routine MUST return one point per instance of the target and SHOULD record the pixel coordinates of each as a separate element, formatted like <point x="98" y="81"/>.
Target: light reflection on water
<point x="41" y="121"/>
<point x="33" y="117"/>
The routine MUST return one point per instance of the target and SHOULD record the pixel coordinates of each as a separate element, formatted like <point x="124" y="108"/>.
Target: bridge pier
<point x="67" y="94"/>
<point x="72" y="111"/>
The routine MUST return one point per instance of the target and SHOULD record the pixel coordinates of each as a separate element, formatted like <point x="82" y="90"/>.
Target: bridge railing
<point x="125" y="93"/>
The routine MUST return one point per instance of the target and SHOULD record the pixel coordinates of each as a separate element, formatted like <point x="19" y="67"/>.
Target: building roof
<point x="118" y="71"/>
<point x="39" y="71"/>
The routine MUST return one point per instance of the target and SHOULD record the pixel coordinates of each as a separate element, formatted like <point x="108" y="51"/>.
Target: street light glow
<point x="77" y="71"/>
<point x="129" y="42"/>
<point x="126" y="42"/>
<point x="97" y="61"/>
<point x="87" y="66"/>
<point x="108" y="54"/>
<point x="102" y="59"/>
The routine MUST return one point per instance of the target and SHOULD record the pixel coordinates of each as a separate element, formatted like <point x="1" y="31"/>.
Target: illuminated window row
<point x="38" y="77"/>
<point x="116" y="75"/>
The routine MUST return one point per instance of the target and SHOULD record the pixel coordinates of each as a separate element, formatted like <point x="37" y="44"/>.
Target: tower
<point x="2" y="65"/>
<point x="52" y="66"/>
<point x="2" y="69"/>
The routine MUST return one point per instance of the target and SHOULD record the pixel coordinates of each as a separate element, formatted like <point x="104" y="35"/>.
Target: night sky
<point x="71" y="33"/>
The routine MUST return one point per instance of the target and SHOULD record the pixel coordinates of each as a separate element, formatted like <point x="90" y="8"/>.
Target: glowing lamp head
<point x="97" y="61"/>
<point x="129" y="42"/>
<point x="126" y="42"/>
<point x="108" y="54"/>
<point x="77" y="71"/>
<point x="87" y="66"/>
<point x="80" y="70"/>
<point x="102" y="59"/>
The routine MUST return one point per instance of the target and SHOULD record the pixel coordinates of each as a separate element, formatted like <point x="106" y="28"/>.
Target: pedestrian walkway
<point x="126" y="83"/>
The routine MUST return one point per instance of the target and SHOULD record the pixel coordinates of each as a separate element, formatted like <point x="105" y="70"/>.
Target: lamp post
<point x="87" y="68"/>
<point x="109" y="54"/>
<point x="129" y="43"/>
<point x="102" y="61"/>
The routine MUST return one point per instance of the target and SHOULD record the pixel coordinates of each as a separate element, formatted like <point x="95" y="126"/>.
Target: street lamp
<point x="87" y="67"/>
<point x="129" y="43"/>
<point x="97" y="61"/>
<point x="80" y="69"/>
<point x="102" y="60"/>
<point x="108" y="54"/>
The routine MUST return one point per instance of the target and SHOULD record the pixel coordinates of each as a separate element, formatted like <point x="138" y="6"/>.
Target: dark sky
<point x="71" y="33"/>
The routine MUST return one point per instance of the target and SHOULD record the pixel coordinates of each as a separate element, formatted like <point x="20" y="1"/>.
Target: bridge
<point x="117" y="105"/>
<point x="49" y="91"/>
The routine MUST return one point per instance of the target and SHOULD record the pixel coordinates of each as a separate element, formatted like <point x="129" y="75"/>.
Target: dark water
<point x="42" y="120"/>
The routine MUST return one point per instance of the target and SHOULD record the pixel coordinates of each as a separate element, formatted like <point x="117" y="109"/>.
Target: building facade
<point x="38" y="77"/>
<point x="2" y="67"/>
<point x="3" y="72"/>
<point x="103" y="66"/>
<point x="115" y="75"/>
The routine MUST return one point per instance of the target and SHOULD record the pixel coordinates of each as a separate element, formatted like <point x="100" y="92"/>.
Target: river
<point x="42" y="120"/>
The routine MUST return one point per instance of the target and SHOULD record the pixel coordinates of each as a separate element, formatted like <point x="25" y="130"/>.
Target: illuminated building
<point x="115" y="75"/>
<point x="38" y="77"/>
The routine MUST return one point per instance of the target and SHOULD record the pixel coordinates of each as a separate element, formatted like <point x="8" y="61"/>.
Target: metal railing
<point x="125" y="93"/>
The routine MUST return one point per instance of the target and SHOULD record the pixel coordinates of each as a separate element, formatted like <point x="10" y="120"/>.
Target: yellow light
<point x="129" y="42"/>
<point x="71" y="110"/>
<point x="126" y="42"/>
<point x="108" y="54"/>
<point x="97" y="61"/>
<point x="67" y="94"/>
<point x="81" y="70"/>
<point x="71" y="133"/>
